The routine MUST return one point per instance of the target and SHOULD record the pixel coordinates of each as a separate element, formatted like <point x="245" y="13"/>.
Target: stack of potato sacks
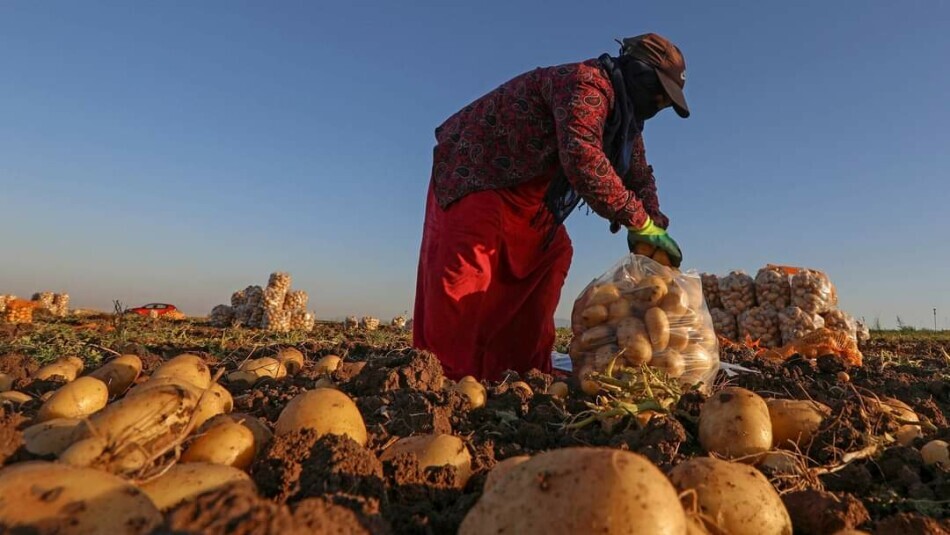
<point x="780" y="305"/>
<point x="641" y="312"/>
<point x="275" y="307"/>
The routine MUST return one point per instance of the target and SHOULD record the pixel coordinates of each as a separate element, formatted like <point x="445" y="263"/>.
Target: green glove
<point x="657" y="237"/>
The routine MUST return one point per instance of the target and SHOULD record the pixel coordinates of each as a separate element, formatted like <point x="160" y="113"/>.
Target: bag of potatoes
<point x="641" y="312"/>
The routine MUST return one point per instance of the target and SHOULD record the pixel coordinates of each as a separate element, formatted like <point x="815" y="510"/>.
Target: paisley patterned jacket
<point x="542" y="119"/>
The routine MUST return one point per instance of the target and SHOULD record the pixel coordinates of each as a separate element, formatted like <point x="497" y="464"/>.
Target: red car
<point x="155" y="309"/>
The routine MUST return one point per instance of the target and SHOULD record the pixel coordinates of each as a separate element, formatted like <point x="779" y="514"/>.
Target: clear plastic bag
<point x="813" y="292"/>
<point x="642" y="312"/>
<point x="737" y="292"/>
<point x="761" y="323"/>
<point x="794" y="323"/>
<point x="840" y="321"/>
<point x="773" y="288"/>
<point x="725" y="324"/>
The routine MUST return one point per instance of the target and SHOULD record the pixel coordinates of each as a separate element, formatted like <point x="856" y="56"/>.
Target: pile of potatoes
<point x="778" y="306"/>
<point x="642" y="312"/>
<point x="149" y="443"/>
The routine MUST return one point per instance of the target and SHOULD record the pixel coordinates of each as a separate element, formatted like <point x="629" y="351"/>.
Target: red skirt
<point x="487" y="289"/>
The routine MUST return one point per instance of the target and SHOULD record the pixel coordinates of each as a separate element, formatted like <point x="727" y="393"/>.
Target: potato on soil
<point x="229" y="444"/>
<point x="185" y="367"/>
<point x="212" y="401"/>
<point x="658" y="326"/>
<point x="779" y="463"/>
<point x="292" y="359"/>
<point x="502" y="469"/>
<point x="906" y="417"/>
<point x="262" y="434"/>
<point x="795" y="421"/>
<point x="51" y="437"/>
<point x="188" y="480"/>
<point x="936" y="452"/>
<point x="119" y="373"/>
<point x="559" y="389"/>
<point x="139" y="426"/>
<point x="71" y="500"/>
<point x="15" y="397"/>
<point x="325" y="410"/>
<point x="734" y="423"/>
<point x="473" y="390"/>
<point x="735" y="498"/>
<point x="265" y="367"/>
<point x="579" y="490"/>
<point x="434" y="451"/>
<point x="66" y="368"/>
<point x="328" y="364"/>
<point x="77" y="399"/>
<point x="6" y="382"/>
<point x="239" y="376"/>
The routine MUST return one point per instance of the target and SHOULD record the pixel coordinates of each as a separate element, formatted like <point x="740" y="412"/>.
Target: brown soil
<point x="19" y="367"/>
<point x="11" y="439"/>
<point x="823" y="513"/>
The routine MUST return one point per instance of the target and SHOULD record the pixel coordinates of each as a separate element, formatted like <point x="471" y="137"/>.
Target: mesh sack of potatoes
<point x="641" y="312"/>
<point x="737" y="292"/>
<point x="812" y="291"/>
<point x="369" y="323"/>
<point x="841" y="321"/>
<point x="221" y="316"/>
<point x="19" y="311"/>
<point x="761" y="323"/>
<point x="296" y="300"/>
<point x="795" y="323"/>
<point x="279" y="281"/>
<point x="239" y="298"/>
<point x="724" y="323"/>
<point x="3" y="301"/>
<point x="351" y="322"/>
<point x="772" y="288"/>
<point x="60" y="307"/>
<point x="711" y="290"/>
<point x="277" y="321"/>
<point x="399" y="322"/>
<point x="301" y="320"/>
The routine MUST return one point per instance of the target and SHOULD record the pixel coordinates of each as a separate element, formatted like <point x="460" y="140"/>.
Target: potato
<point x="229" y="444"/>
<point x="292" y="359"/>
<point x="734" y="423"/>
<point x="66" y="368"/>
<point x="213" y="400"/>
<point x="141" y="425"/>
<point x="603" y="294"/>
<point x="502" y="469"/>
<point x="675" y="303"/>
<point x="559" y="389"/>
<point x="658" y="327"/>
<point x="186" y="367"/>
<point x="55" y="498"/>
<point x="596" y="337"/>
<point x="523" y="386"/>
<point x="579" y="490"/>
<point x="733" y="497"/>
<point x="119" y="373"/>
<point x="902" y="412"/>
<point x="651" y="290"/>
<point x="794" y="421"/>
<point x="6" y="382"/>
<point x="187" y="481"/>
<point x="248" y="378"/>
<point x="670" y="361"/>
<point x="262" y="434"/>
<point x="325" y="410"/>
<point x="473" y="390"/>
<point x="51" y="437"/>
<point x="780" y="463"/>
<point x="14" y="397"/>
<point x="265" y="367"/>
<point x="596" y="314"/>
<point x="328" y="364"/>
<point x="936" y="452"/>
<point x="77" y="399"/>
<point x="590" y="387"/>
<point x="434" y="451"/>
<point x="679" y="338"/>
<point x="88" y="451"/>
<point x="618" y="310"/>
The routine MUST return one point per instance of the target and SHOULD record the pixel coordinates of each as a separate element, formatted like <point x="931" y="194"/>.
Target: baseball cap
<point x="667" y="60"/>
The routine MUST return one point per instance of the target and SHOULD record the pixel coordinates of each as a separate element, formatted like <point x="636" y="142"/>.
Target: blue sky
<point x="177" y="151"/>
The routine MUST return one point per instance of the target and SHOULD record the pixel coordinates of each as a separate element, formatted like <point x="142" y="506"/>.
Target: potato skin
<point x="119" y="373"/>
<point x="229" y="444"/>
<point x="75" y="500"/>
<point x="579" y="490"/>
<point x="185" y="367"/>
<point x="473" y="390"/>
<point x="434" y="451"/>
<point x="734" y="423"/>
<point x="325" y="410"/>
<point x="502" y="469"/>
<point x="795" y="421"/>
<point x="735" y="495"/>
<point x="51" y="437"/>
<point x="77" y="399"/>
<point x="658" y="325"/>
<point x="188" y="480"/>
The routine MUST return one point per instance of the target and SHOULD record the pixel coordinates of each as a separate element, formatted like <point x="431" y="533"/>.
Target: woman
<point x="507" y="171"/>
